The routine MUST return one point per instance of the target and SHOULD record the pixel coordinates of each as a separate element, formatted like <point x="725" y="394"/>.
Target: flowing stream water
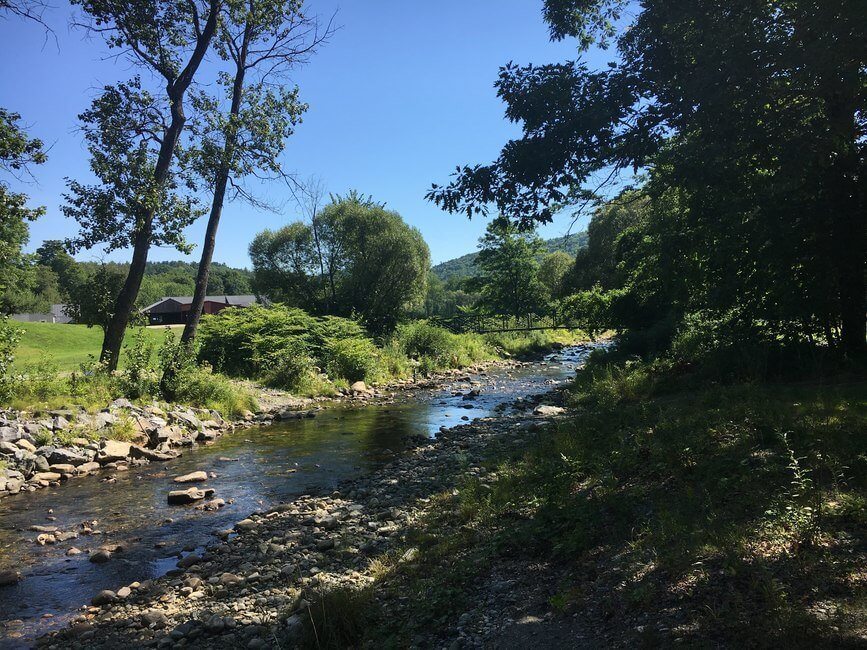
<point x="255" y="468"/>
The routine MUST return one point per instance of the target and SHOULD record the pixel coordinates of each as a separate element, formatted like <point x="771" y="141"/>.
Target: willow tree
<point x="263" y="40"/>
<point x="133" y="150"/>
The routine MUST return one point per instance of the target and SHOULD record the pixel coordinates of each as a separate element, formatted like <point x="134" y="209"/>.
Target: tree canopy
<point x="749" y="121"/>
<point x="353" y="257"/>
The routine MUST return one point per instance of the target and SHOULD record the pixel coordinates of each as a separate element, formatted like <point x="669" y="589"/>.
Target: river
<point x="255" y="469"/>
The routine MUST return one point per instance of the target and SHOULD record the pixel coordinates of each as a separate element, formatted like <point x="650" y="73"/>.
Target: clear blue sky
<point x="401" y="95"/>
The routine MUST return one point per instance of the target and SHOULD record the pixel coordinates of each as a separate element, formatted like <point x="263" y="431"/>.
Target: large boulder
<point x="187" y="419"/>
<point x="112" y="451"/>
<point x="358" y="388"/>
<point x="104" y="420"/>
<point x="104" y="597"/>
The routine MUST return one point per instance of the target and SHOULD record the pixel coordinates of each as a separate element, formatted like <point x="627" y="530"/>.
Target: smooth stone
<point x="192" y="477"/>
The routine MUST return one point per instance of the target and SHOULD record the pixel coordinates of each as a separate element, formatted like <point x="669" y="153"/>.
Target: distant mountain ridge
<point x="462" y="267"/>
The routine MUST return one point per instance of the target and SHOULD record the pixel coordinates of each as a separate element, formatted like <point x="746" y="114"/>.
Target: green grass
<point x="727" y="515"/>
<point x="66" y="346"/>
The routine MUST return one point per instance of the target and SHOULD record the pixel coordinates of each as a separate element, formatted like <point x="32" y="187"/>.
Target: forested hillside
<point x="463" y="266"/>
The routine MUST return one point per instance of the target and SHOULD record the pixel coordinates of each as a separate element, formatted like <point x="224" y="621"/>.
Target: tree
<point x="553" y="271"/>
<point x="509" y="269"/>
<point x="133" y="138"/>
<point x="263" y="40"/>
<point x="753" y="115"/>
<point x="362" y="260"/>
<point x="93" y="297"/>
<point x="18" y="152"/>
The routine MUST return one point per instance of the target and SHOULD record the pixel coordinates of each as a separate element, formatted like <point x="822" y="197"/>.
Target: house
<point x="173" y="310"/>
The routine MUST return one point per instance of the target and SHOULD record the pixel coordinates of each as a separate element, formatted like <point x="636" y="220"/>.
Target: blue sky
<point x="401" y="94"/>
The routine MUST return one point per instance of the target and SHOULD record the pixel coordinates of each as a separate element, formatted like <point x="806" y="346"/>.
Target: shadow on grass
<point x="731" y="516"/>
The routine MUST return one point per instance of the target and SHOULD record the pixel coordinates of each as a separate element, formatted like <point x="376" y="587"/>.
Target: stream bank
<point x="48" y="448"/>
<point x="254" y="469"/>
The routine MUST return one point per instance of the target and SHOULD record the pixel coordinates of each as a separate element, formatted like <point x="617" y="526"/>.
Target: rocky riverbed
<point x="43" y="449"/>
<point x="124" y="519"/>
<point x="253" y="589"/>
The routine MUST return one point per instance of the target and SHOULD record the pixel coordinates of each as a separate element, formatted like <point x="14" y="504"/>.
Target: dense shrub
<point x="246" y="342"/>
<point x="421" y="339"/>
<point x="352" y="359"/>
<point x="284" y="347"/>
<point x="9" y="337"/>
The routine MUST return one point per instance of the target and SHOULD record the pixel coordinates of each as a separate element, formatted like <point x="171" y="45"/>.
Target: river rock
<point x="87" y="468"/>
<point x="104" y="420"/>
<point x="547" y="410"/>
<point x="104" y="597"/>
<point x="46" y="476"/>
<point x="210" y="506"/>
<point x="188" y="561"/>
<point x="184" y="497"/>
<point x="8" y="448"/>
<point x="192" y="477"/>
<point x="112" y="451"/>
<point x="150" y="454"/>
<point x="187" y="419"/>
<point x="154" y="618"/>
<point x="10" y="434"/>
<point x="26" y="445"/>
<point x="358" y="387"/>
<point x="8" y="578"/>
<point x="62" y="456"/>
<point x="43" y="529"/>
<point x="100" y="557"/>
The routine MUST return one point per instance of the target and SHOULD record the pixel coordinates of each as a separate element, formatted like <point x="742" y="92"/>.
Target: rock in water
<point x="8" y="578"/>
<point x="358" y="387"/>
<point x="193" y="477"/>
<point x="100" y="557"/>
<point x="184" y="497"/>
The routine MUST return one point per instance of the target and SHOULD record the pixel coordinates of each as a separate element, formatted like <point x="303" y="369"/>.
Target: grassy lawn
<point x="66" y="346"/>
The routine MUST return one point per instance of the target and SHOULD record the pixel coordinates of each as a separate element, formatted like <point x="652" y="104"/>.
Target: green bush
<point x="352" y="359"/>
<point x="39" y="381"/>
<point x="9" y="338"/>
<point x="139" y="377"/>
<point x="244" y="342"/>
<point x="283" y="346"/>
<point x="422" y="339"/>
<point x="290" y="370"/>
<point x="199" y="386"/>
